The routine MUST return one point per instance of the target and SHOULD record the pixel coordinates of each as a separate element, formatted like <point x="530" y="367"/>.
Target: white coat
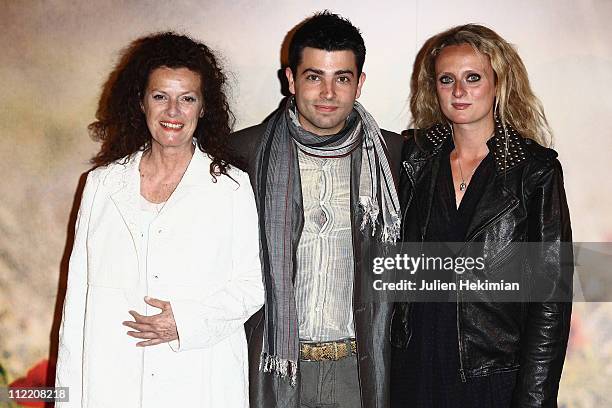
<point x="202" y="257"/>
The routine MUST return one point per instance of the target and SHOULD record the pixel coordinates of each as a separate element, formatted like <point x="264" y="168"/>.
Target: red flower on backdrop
<point x="36" y="377"/>
<point x="578" y="338"/>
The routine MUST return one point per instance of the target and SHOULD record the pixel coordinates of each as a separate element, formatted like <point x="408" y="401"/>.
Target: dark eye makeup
<point x="445" y="79"/>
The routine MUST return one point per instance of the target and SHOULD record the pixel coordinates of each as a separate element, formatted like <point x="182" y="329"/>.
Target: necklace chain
<point x="463" y="185"/>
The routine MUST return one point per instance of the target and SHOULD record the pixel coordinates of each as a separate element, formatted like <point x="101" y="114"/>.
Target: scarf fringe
<point x="390" y="232"/>
<point x="279" y="366"/>
<point x="370" y="213"/>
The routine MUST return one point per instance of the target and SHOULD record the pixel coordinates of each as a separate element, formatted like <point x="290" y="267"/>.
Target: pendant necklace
<point x="463" y="184"/>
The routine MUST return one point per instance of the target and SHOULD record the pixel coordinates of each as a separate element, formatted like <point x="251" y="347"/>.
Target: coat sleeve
<point x="544" y="340"/>
<point x="69" y="371"/>
<point x="204" y="322"/>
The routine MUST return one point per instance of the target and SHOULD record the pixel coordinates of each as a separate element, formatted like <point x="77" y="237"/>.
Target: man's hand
<point x="156" y="329"/>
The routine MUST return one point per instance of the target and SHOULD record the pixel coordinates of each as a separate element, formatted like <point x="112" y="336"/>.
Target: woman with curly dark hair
<point x="167" y="231"/>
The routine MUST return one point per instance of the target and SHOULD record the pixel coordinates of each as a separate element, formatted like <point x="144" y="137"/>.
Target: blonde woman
<point x="478" y="172"/>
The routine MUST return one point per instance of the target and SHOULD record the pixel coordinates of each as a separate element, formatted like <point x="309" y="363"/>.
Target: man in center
<point x="323" y="174"/>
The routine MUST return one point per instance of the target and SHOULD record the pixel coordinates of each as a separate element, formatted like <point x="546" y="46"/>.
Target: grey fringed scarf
<point x="279" y="201"/>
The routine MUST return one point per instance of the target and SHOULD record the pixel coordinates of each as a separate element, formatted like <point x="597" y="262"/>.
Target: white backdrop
<point x="56" y="55"/>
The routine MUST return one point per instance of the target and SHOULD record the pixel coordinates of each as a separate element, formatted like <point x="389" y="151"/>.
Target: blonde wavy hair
<point x="515" y="102"/>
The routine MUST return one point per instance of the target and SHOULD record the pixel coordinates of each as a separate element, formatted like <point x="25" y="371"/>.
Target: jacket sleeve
<point x="544" y="339"/>
<point x="204" y="322"/>
<point x="69" y="371"/>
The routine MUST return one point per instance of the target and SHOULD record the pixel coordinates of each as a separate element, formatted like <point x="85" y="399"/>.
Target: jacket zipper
<point x="460" y="343"/>
<point x="510" y="206"/>
<point x="408" y="169"/>
<point x="461" y="370"/>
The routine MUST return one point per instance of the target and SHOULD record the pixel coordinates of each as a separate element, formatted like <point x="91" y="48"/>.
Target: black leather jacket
<point x="525" y="203"/>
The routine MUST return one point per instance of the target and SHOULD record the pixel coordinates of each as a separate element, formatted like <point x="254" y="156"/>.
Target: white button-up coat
<point x="202" y="257"/>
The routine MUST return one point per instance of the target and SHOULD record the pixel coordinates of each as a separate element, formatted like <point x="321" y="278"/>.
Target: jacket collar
<point x="508" y="152"/>
<point x="126" y="175"/>
<point x="123" y="183"/>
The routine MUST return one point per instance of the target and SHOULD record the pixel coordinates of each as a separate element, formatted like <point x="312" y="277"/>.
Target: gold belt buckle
<point x="328" y="351"/>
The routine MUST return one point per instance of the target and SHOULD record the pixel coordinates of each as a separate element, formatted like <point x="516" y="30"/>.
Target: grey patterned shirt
<point x="325" y="265"/>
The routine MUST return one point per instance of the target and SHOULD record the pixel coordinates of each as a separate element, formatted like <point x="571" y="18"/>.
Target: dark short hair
<point x="330" y="32"/>
<point x="121" y="125"/>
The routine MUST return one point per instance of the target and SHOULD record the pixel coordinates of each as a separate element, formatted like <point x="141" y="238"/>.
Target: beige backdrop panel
<point x="56" y="55"/>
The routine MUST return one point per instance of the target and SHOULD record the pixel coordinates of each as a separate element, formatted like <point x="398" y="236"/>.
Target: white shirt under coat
<point x="325" y="264"/>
